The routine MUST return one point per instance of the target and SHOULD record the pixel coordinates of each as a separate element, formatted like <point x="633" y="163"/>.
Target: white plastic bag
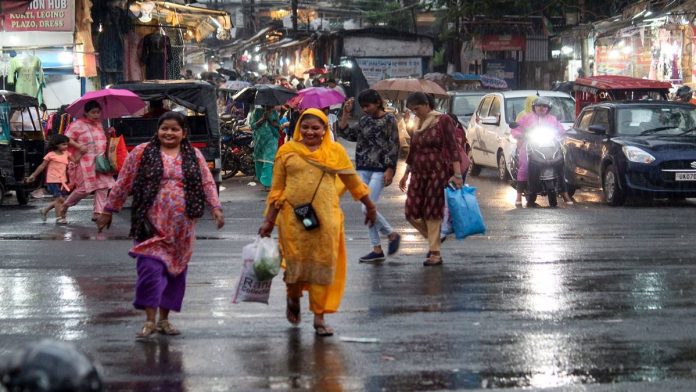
<point x="267" y="258"/>
<point x="249" y="287"/>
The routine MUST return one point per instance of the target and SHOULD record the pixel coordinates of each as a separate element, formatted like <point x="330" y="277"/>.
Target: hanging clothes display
<point x="177" y="43"/>
<point x="156" y="55"/>
<point x="133" y="70"/>
<point x="27" y="75"/>
<point x="115" y="25"/>
<point x="86" y="64"/>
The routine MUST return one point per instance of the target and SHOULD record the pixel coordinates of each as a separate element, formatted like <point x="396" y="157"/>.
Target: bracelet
<point x="458" y="176"/>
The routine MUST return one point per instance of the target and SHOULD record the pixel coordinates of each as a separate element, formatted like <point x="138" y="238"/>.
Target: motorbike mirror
<point x="514" y="124"/>
<point x="598" y="129"/>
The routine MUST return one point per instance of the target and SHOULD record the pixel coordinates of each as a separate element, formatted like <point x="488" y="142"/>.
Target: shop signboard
<point x="376" y="69"/>
<point x="42" y="15"/>
<point x="502" y="69"/>
<point x="500" y="42"/>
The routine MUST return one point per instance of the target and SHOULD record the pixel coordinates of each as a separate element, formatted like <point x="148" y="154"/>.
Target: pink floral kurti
<point x="91" y="135"/>
<point x="174" y="244"/>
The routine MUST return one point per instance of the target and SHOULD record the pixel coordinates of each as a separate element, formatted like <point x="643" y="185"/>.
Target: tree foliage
<point x="390" y="13"/>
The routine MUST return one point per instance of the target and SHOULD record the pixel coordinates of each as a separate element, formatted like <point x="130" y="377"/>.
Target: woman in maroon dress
<point x="433" y="162"/>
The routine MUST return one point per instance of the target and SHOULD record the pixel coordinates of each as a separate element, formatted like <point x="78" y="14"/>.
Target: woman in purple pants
<point x="171" y="184"/>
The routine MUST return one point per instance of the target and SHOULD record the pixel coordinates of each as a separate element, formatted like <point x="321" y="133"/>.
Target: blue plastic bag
<point x="465" y="212"/>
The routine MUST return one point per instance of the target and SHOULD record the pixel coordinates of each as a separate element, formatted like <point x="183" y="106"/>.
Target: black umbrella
<point x="264" y="95"/>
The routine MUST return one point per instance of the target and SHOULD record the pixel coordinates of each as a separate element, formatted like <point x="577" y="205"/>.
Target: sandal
<point x="292" y="311"/>
<point x="166" y="328"/>
<point x="431" y="263"/>
<point x="148" y="330"/>
<point x="323" y="330"/>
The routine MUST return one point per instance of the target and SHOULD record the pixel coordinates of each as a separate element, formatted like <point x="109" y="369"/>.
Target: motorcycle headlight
<point x="542" y="136"/>
<point x="635" y="154"/>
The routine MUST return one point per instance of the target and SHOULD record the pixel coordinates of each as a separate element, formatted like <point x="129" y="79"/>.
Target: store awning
<point x="200" y="23"/>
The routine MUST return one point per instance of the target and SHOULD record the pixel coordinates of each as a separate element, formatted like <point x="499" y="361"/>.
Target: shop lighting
<point x="65" y="57"/>
<point x="566" y="50"/>
<point x="614" y="54"/>
<point x="648" y="13"/>
<point x="146" y="9"/>
<point x="262" y="67"/>
<point x="100" y="28"/>
<point x="257" y="48"/>
<point x="257" y="58"/>
<point x="627" y="50"/>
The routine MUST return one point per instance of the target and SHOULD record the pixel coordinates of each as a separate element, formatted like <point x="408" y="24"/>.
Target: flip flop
<point x="431" y="263"/>
<point x="323" y="330"/>
<point x="292" y="311"/>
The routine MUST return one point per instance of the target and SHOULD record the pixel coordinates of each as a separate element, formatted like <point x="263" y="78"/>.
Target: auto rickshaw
<point x="194" y="98"/>
<point x="22" y="145"/>
<point x="593" y="89"/>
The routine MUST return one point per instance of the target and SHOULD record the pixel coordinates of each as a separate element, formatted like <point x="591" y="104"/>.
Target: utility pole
<point x="293" y="5"/>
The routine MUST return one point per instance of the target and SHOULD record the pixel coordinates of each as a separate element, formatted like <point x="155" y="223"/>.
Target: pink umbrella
<point x="316" y="97"/>
<point x="114" y="103"/>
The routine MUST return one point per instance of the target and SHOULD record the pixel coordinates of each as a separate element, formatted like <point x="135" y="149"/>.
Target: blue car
<point x="644" y="149"/>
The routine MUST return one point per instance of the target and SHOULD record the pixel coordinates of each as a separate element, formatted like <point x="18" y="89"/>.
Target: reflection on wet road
<point x="582" y="297"/>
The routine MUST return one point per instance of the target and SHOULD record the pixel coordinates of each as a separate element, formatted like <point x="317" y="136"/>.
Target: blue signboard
<point x="503" y="69"/>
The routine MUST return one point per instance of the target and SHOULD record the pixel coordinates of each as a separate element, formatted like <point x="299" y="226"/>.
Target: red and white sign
<point x="498" y="43"/>
<point x="43" y="15"/>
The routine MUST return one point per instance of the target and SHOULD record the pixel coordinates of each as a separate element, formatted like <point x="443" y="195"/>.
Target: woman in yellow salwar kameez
<point x="315" y="260"/>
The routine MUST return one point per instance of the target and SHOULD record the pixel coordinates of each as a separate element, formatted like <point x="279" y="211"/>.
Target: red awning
<point x="616" y="82"/>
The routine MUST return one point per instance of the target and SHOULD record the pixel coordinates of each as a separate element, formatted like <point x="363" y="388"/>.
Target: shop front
<point x="656" y="52"/>
<point x="39" y="50"/>
<point x="379" y="53"/>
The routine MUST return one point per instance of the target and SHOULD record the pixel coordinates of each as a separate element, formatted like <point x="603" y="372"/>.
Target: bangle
<point x="458" y="176"/>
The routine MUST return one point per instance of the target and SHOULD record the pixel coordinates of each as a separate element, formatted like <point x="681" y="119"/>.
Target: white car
<point x="488" y="133"/>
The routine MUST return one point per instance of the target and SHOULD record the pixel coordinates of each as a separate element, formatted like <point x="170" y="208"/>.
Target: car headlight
<point x="635" y="154"/>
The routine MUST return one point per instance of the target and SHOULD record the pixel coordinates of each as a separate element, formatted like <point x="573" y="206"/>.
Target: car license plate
<point x="685" y="176"/>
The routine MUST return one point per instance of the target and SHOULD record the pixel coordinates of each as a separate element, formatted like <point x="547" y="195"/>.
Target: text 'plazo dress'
<point x="173" y="245"/>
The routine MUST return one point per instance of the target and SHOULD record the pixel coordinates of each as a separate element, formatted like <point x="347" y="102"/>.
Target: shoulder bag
<point x="101" y="163"/>
<point x="305" y="213"/>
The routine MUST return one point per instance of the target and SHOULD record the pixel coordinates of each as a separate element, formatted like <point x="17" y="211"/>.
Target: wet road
<point x="584" y="297"/>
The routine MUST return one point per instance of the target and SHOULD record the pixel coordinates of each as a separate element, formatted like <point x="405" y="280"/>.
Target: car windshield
<point x="659" y="120"/>
<point x="563" y="108"/>
<point x="465" y="105"/>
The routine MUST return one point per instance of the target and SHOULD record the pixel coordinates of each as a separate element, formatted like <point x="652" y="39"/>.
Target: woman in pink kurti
<point x="87" y="141"/>
<point x="170" y="182"/>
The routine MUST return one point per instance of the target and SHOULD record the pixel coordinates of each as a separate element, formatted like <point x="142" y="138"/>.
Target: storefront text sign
<point x="493" y="43"/>
<point x="43" y="15"/>
<point x="376" y="69"/>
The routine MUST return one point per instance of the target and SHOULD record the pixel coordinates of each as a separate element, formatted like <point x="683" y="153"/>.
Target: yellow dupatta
<point x="330" y="156"/>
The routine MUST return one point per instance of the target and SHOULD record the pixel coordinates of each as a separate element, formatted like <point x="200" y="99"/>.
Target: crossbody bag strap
<point x="317" y="188"/>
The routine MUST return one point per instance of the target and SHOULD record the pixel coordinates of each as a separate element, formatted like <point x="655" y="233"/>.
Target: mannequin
<point x="27" y="75"/>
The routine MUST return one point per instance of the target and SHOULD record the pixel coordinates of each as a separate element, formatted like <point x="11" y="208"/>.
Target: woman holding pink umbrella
<point x="87" y="142"/>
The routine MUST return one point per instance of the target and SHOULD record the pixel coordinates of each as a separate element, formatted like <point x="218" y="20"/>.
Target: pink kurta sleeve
<point x="209" y="187"/>
<point x="124" y="184"/>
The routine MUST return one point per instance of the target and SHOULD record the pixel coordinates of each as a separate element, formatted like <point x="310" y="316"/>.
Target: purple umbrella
<point x="316" y="97"/>
<point x="114" y="103"/>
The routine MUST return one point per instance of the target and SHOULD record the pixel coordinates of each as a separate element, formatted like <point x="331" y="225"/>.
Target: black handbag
<point x="305" y="213"/>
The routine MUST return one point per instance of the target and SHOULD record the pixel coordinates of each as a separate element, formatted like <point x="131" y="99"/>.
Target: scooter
<point x="545" y="164"/>
<point x="237" y="152"/>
